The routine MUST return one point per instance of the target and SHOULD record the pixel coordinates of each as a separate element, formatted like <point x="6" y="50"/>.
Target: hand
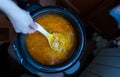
<point x="20" y="19"/>
<point x="22" y="22"/>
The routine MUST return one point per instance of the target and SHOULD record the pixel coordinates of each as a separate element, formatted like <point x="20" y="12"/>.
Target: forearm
<point x="9" y="7"/>
<point x="20" y="19"/>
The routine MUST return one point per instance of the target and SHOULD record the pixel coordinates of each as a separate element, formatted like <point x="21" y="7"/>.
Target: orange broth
<point x="38" y="46"/>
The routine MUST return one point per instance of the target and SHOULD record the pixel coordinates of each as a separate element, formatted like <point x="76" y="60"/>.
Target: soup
<point x="38" y="46"/>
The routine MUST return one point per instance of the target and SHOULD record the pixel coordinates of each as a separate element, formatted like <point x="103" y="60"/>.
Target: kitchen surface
<point x="101" y="54"/>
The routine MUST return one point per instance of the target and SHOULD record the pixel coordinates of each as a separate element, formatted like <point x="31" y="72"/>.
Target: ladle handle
<point x="41" y="29"/>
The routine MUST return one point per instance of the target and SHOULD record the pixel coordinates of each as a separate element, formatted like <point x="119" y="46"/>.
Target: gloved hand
<point x="20" y="19"/>
<point x="22" y="22"/>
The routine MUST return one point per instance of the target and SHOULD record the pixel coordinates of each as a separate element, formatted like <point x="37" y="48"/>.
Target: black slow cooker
<point x="71" y="65"/>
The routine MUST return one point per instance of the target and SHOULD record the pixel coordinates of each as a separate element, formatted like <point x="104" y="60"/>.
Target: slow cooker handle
<point x="73" y="69"/>
<point x="28" y="6"/>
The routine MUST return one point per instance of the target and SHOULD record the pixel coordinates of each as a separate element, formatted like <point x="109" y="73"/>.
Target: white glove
<point x="20" y="19"/>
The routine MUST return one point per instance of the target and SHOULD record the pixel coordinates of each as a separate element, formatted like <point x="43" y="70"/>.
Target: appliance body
<point x="26" y="61"/>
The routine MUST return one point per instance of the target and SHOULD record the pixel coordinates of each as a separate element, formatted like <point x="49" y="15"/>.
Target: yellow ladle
<point x="57" y="41"/>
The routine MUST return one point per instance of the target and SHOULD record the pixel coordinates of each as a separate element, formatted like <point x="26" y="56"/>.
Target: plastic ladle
<point x="57" y="41"/>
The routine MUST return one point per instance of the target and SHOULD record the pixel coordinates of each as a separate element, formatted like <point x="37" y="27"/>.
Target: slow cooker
<point x="69" y="67"/>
